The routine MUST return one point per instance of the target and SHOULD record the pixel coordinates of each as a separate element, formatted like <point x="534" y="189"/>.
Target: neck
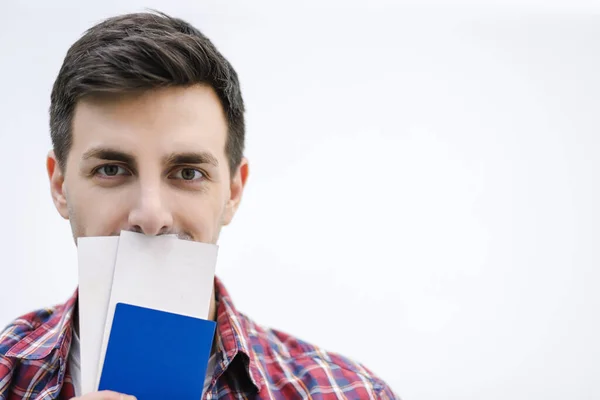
<point x="212" y="310"/>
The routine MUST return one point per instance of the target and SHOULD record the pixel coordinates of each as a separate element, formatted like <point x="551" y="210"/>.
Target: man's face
<point x="153" y="163"/>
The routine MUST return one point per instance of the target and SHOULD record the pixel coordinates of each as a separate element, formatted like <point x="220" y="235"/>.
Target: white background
<point x="424" y="183"/>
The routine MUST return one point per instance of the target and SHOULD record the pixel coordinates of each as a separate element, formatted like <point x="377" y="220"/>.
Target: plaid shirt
<point x="252" y="362"/>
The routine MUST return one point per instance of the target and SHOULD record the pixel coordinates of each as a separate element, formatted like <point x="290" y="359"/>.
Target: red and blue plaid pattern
<point x="252" y="362"/>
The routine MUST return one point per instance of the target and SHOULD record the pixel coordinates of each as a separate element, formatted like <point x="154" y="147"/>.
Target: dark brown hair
<point x="143" y="51"/>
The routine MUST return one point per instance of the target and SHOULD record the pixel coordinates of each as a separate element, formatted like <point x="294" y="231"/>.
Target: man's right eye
<point x="111" y="170"/>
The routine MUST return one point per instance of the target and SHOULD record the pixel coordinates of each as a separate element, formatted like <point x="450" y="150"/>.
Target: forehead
<point x="159" y="120"/>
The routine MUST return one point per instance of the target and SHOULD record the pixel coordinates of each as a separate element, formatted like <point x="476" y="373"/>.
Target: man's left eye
<point x="188" y="174"/>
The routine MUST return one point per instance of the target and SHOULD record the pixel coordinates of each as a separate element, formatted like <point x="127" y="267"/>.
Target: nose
<point x="151" y="215"/>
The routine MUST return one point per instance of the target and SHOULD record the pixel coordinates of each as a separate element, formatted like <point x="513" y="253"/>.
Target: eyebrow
<point x="103" y="153"/>
<point x="192" y="158"/>
<point x="108" y="154"/>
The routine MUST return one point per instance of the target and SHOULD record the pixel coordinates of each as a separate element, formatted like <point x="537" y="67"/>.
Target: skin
<point x="151" y="162"/>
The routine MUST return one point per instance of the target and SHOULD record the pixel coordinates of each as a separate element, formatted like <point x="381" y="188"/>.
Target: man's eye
<point x="188" y="174"/>
<point x="111" y="170"/>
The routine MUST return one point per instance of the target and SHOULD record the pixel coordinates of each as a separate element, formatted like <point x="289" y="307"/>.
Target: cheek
<point x="202" y="218"/>
<point x="96" y="214"/>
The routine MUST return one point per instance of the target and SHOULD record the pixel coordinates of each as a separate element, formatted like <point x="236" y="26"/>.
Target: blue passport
<point x="154" y="354"/>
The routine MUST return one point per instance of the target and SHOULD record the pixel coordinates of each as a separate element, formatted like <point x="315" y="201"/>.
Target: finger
<point x="110" y="395"/>
<point x="105" y="395"/>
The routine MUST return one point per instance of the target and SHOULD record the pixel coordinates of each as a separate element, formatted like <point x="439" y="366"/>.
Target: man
<point x="147" y="125"/>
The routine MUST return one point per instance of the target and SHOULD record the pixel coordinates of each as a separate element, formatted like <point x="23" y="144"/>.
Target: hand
<point x="105" y="395"/>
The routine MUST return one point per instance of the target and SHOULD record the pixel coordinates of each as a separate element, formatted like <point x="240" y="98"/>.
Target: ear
<point x="57" y="187"/>
<point x="237" y="184"/>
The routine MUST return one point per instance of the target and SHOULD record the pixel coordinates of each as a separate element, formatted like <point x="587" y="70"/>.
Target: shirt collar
<point x="54" y="333"/>
<point x="233" y="340"/>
